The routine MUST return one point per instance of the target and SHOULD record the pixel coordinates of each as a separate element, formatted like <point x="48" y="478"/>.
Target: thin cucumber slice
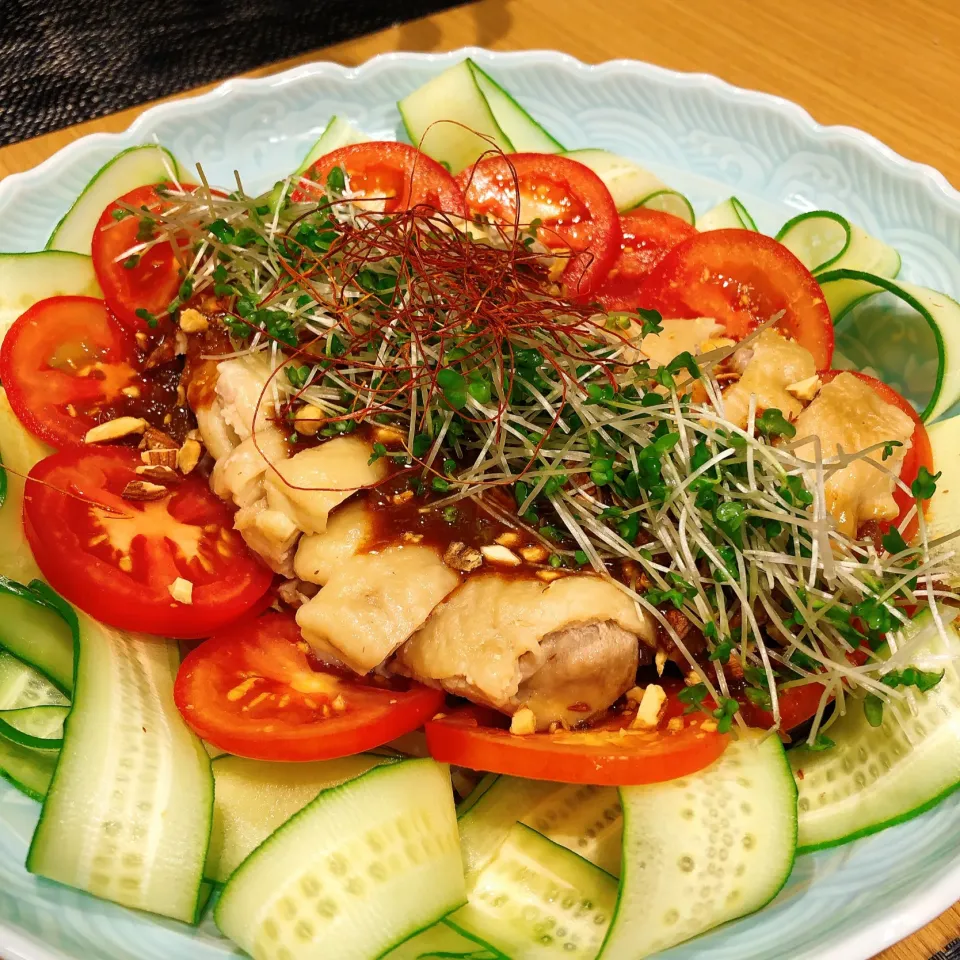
<point x="823" y="240"/>
<point x="631" y="185"/>
<point x="19" y="451"/>
<point x="628" y="182"/>
<point x="26" y="278"/>
<point x="36" y="634"/>
<point x="22" y="686"/>
<point x="843" y="289"/>
<point x="131" y="168"/>
<point x="731" y="214"/>
<point x="253" y="799"/>
<point x="38" y="727"/>
<point x="669" y="201"/>
<point x="523" y="132"/>
<point x="943" y="512"/>
<point x="30" y="771"/>
<point x="441" y="942"/>
<point x="878" y="776"/>
<point x="485" y="822"/>
<point x="364" y="866"/>
<point x="585" y="819"/>
<point x="704" y="849"/>
<point x="128" y="814"/>
<point x="536" y="899"/>
<point x="339" y="132"/>
<point x="471" y="127"/>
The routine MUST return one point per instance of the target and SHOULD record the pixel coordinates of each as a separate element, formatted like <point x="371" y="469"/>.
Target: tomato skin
<point x="476" y="737"/>
<point x="742" y="278"/>
<point x="68" y="354"/>
<point x="155" y="280"/>
<point x="216" y="697"/>
<point x="573" y="203"/>
<point x="648" y="236"/>
<point x="189" y="534"/>
<point x="407" y="177"/>
<point x="919" y="455"/>
<point x="797" y="705"/>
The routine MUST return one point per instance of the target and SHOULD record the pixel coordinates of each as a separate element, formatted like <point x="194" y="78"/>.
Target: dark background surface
<point x="65" y="61"/>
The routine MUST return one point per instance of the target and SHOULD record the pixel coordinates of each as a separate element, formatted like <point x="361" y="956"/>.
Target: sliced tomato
<point x="65" y="365"/>
<point x="400" y="174"/>
<point x="148" y="280"/>
<point x="255" y="692"/>
<point x="797" y="705"/>
<point x="118" y="558"/>
<point x="648" y="236"/>
<point x="573" y="204"/>
<point x="742" y="278"/>
<point x="607" y="754"/>
<point x="919" y="455"/>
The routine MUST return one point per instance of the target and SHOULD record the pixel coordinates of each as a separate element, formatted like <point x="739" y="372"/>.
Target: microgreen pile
<point x="457" y="335"/>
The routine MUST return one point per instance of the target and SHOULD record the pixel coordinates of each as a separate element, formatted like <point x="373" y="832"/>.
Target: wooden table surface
<point x="890" y="67"/>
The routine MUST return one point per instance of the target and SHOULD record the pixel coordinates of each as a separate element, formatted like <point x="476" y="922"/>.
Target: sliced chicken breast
<point x="310" y="484"/>
<point x="492" y="638"/>
<point x="768" y="365"/>
<point x="374" y="602"/>
<point x="320" y="555"/>
<point x="848" y="415"/>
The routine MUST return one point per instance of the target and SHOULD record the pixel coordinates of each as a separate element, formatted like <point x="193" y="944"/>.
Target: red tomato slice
<point x="401" y="174"/>
<point x="648" y="236"/>
<point x="742" y="278"/>
<point x="607" y="754"/>
<point x="572" y="202"/>
<point x="65" y="364"/>
<point x="919" y="455"/>
<point x="118" y="566"/>
<point x="797" y="704"/>
<point x="149" y="280"/>
<point x="255" y="692"/>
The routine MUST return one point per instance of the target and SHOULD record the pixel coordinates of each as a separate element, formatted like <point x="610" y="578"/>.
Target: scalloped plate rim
<point x="925" y="902"/>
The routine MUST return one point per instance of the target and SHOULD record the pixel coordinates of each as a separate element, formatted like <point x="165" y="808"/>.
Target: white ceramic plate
<point x="706" y="139"/>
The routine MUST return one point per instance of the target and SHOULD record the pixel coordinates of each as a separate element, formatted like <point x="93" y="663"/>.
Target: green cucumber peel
<point x="729" y="214"/>
<point x="672" y="202"/>
<point x="16" y="724"/>
<point x="845" y="289"/>
<point x="52" y="656"/>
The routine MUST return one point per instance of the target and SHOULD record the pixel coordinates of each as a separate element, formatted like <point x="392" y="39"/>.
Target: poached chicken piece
<point x="512" y="643"/>
<point x="768" y="365"/>
<point x="847" y="416"/>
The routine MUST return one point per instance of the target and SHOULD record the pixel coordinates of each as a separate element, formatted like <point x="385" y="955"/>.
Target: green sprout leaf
<point x="772" y="423"/>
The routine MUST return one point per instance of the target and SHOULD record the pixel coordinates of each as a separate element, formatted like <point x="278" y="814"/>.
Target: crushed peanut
<point x="534" y="554"/>
<point x="509" y="539"/>
<point x="115" y="429"/>
<point x="460" y="557"/>
<point x="709" y="726"/>
<point x="409" y="537"/>
<point x="143" y="490"/>
<point x="651" y="706"/>
<point x="804" y="390"/>
<point x="154" y="439"/>
<point x="132" y="391"/>
<point x="634" y="694"/>
<point x="497" y="553"/>
<point x="159" y="473"/>
<point x="159" y="457"/>
<point x="524" y="722"/>
<point x="307" y="421"/>
<point x="181" y="590"/>
<point x="402" y="497"/>
<point x="548" y="576"/>
<point x="675" y="724"/>
<point x="142" y="339"/>
<point x="188" y="456"/>
<point x="660" y="659"/>
<point x="193" y="321"/>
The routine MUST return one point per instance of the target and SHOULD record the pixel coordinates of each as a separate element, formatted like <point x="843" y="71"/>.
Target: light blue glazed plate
<point x="706" y="139"/>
